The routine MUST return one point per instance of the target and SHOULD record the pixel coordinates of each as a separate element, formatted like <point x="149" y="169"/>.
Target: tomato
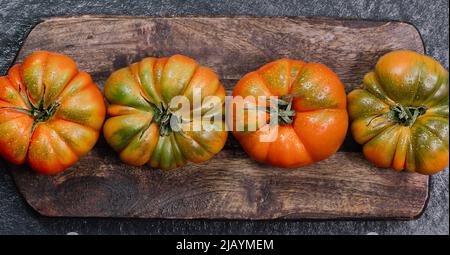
<point x="50" y="113"/>
<point x="312" y="117"/>
<point x="400" y="116"/>
<point x="140" y="96"/>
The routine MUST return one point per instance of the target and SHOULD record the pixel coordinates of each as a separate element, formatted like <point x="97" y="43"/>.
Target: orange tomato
<point x="50" y="113"/>
<point x="312" y="120"/>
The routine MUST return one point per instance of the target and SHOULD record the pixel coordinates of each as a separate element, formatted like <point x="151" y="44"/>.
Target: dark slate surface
<point x="18" y="17"/>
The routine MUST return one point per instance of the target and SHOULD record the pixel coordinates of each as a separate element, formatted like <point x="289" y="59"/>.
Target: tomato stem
<point x="39" y="113"/>
<point x="283" y="105"/>
<point x="403" y="115"/>
<point x="281" y="108"/>
<point x="162" y="116"/>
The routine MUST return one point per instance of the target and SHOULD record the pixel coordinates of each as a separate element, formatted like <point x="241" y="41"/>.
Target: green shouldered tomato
<point x="138" y="127"/>
<point x="400" y="116"/>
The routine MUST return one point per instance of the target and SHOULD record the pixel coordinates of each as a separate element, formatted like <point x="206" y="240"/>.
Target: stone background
<point x="18" y="17"/>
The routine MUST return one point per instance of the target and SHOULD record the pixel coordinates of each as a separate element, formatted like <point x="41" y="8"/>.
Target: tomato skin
<point x="72" y="131"/>
<point x="409" y="79"/>
<point x="131" y="91"/>
<point x="320" y="122"/>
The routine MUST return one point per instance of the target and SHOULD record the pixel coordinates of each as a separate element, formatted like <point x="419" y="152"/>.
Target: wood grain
<point x="230" y="186"/>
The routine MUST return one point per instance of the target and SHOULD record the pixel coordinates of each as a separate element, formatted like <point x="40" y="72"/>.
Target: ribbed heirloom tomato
<point x="50" y="113"/>
<point x="312" y="119"/>
<point x="400" y="116"/>
<point x="140" y="128"/>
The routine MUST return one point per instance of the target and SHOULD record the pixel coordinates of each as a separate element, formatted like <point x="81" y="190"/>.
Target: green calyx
<point x="285" y="113"/>
<point x="282" y="107"/>
<point x="162" y="117"/>
<point x="40" y="113"/>
<point x="403" y="115"/>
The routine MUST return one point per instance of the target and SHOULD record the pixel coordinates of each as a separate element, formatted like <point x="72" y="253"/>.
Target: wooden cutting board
<point x="231" y="185"/>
